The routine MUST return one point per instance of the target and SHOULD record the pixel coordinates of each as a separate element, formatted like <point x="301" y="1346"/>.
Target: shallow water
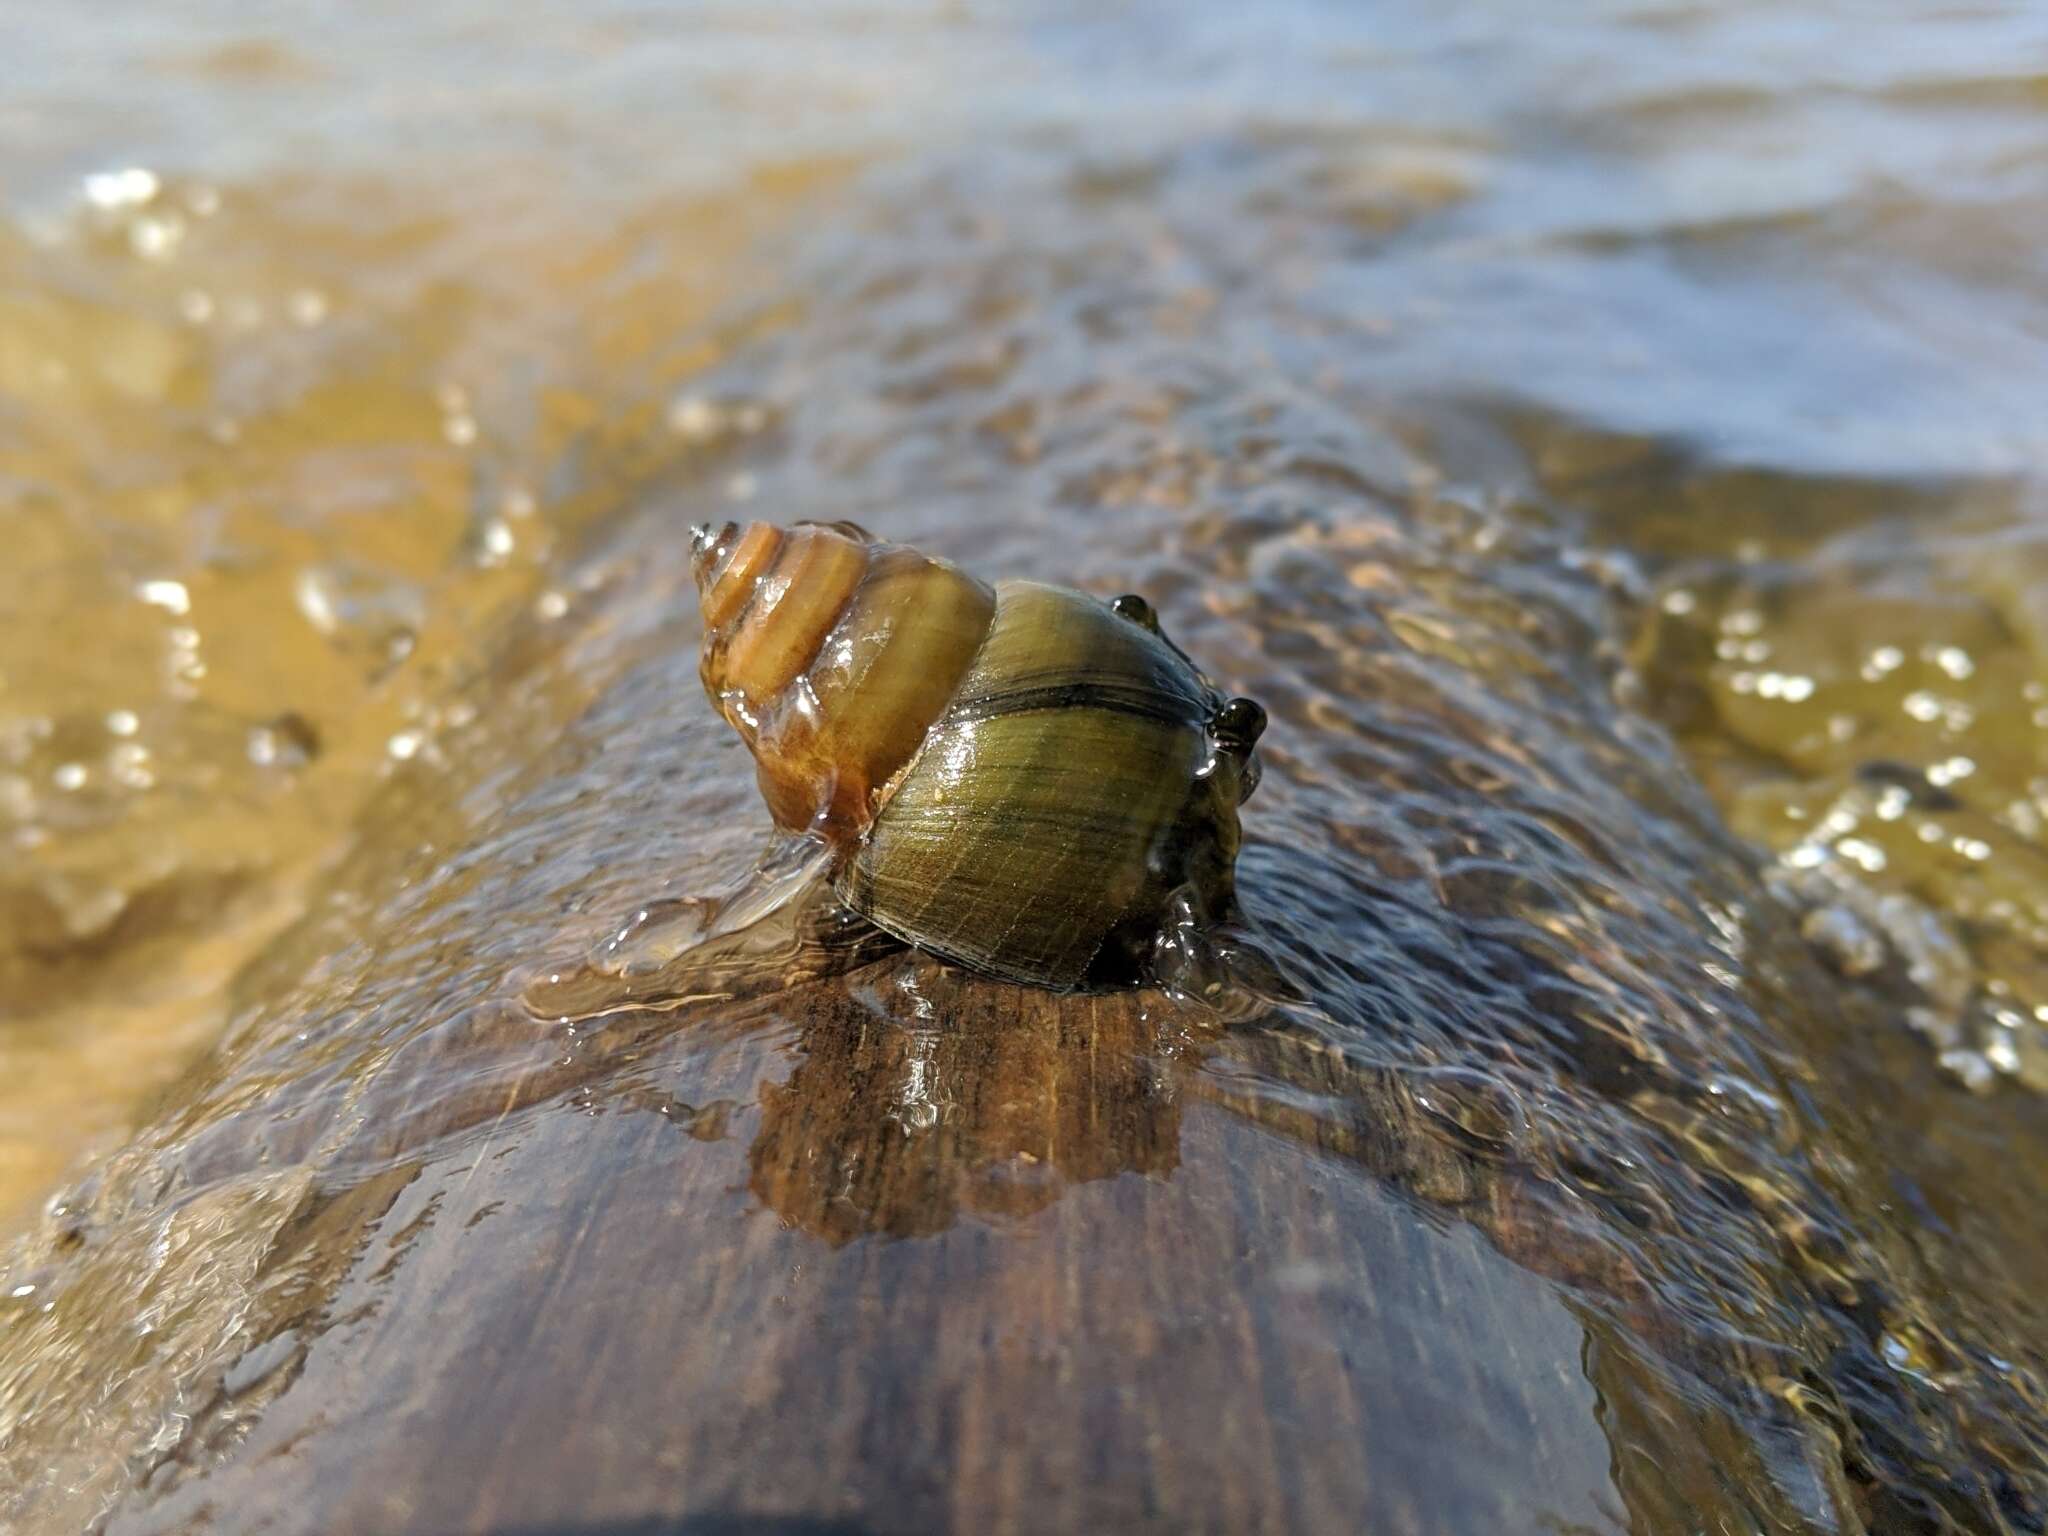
<point x="1607" y="444"/>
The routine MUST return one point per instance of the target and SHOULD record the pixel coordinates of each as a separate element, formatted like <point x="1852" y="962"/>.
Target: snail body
<point x="1021" y="778"/>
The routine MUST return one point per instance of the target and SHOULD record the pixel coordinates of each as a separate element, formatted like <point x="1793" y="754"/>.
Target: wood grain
<point x="902" y="1251"/>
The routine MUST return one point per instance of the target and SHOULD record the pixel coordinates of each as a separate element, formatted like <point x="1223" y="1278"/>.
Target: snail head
<point x="1235" y="725"/>
<point x="1235" y="728"/>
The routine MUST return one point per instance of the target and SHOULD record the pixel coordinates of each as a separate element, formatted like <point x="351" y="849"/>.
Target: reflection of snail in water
<point x="925" y="1095"/>
<point x="1026" y="780"/>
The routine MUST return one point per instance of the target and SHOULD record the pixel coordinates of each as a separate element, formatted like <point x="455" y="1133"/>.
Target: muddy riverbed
<point x="1608" y="445"/>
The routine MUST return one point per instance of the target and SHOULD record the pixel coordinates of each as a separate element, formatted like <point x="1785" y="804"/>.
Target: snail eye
<point x="1238" y="723"/>
<point x="1137" y="610"/>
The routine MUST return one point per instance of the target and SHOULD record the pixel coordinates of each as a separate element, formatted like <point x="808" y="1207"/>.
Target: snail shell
<point x="1024" y="779"/>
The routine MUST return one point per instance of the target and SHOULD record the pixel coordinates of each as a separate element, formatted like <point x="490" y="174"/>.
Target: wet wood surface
<point x="900" y="1251"/>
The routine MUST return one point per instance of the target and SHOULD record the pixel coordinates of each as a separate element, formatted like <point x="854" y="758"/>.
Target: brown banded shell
<point x="1022" y="778"/>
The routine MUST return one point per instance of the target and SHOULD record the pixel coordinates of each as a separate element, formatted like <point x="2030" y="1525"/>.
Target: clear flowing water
<point x="1608" y="441"/>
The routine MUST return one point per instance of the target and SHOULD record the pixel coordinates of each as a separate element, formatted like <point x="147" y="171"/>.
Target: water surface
<point x="1608" y="444"/>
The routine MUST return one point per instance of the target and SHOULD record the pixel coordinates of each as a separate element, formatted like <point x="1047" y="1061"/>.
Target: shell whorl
<point x="1070" y="791"/>
<point x="832" y="655"/>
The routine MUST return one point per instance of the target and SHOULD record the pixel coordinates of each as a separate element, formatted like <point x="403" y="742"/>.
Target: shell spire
<point x="832" y="655"/>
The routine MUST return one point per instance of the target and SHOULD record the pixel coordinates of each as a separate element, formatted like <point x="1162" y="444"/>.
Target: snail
<point x="1026" y="780"/>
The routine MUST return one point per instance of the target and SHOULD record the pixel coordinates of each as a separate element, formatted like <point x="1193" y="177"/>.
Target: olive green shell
<point x="1069" y="790"/>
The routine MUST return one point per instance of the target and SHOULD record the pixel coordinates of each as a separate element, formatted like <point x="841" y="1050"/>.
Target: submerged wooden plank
<point x="970" y="1259"/>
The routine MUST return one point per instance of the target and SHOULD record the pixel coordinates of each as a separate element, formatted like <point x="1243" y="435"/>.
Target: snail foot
<point x="774" y="926"/>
